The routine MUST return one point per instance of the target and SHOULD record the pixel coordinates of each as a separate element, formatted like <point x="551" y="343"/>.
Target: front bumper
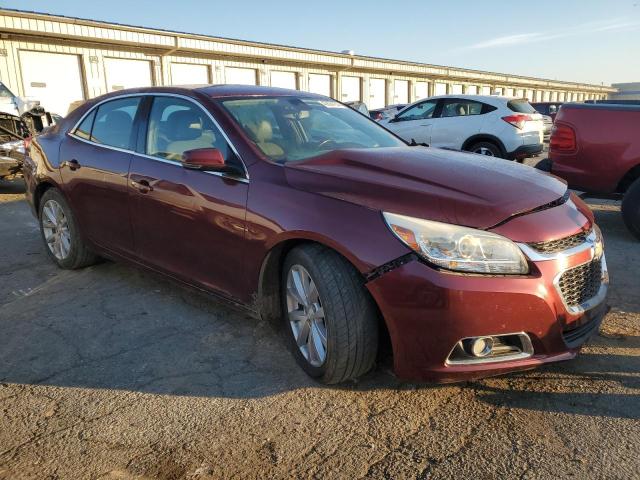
<point x="428" y="311"/>
<point x="9" y="166"/>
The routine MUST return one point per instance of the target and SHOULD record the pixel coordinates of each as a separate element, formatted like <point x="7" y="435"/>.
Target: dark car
<point x="387" y="112"/>
<point x="550" y="109"/>
<point x="303" y="210"/>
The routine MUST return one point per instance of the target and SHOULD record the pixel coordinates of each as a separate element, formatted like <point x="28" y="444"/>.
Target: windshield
<point x="288" y="129"/>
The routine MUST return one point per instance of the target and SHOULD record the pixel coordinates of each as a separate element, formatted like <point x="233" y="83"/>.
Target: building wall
<point x="94" y="41"/>
<point x="626" y="91"/>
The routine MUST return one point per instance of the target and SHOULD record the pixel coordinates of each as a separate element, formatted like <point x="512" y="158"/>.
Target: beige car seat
<point x="185" y="132"/>
<point x="262" y="134"/>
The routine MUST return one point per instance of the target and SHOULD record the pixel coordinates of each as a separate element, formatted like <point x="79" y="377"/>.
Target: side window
<point x="177" y="125"/>
<point x="462" y="108"/>
<point x="5" y="92"/>
<point x="420" y="111"/>
<point x="84" y="129"/>
<point x="113" y="124"/>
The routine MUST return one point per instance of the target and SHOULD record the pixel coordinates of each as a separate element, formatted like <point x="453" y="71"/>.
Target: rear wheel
<point x="486" y="148"/>
<point x="60" y="233"/>
<point x="331" y="321"/>
<point x="631" y="208"/>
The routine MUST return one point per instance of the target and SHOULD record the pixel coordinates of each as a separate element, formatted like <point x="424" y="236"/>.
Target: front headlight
<point x="458" y="248"/>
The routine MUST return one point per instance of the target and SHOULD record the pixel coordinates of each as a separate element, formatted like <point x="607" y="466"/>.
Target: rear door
<point x="458" y="120"/>
<point x="188" y="223"/>
<point x="415" y="122"/>
<point x="95" y="159"/>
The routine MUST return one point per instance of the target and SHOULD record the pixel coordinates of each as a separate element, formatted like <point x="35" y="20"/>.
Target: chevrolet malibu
<point x="305" y="211"/>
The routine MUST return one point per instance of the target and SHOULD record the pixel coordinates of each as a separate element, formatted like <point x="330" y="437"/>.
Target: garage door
<point x="55" y="91"/>
<point x="441" y="89"/>
<point x="350" y="89"/>
<point x="472" y="90"/>
<point x="401" y="91"/>
<point x="240" y="76"/>
<point x="422" y="90"/>
<point x="377" y="93"/>
<point x="486" y="90"/>
<point x="284" y="80"/>
<point x="320" y="83"/>
<point x="125" y="73"/>
<point x="189" y="74"/>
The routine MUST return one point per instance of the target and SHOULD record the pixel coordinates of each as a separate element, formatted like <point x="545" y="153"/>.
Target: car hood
<point x="430" y="183"/>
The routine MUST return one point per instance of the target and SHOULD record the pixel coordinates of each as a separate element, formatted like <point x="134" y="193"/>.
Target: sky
<point x="585" y="41"/>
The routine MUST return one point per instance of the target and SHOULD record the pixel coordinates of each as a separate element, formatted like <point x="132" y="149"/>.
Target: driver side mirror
<point x="204" y="159"/>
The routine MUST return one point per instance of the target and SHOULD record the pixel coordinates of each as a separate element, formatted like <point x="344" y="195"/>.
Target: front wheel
<point x="631" y="208"/>
<point x="486" y="148"/>
<point x="61" y="234"/>
<point x="331" y="322"/>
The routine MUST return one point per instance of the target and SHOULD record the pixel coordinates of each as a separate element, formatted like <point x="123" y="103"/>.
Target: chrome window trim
<point x="594" y="301"/>
<point x="526" y="353"/>
<point x="245" y="179"/>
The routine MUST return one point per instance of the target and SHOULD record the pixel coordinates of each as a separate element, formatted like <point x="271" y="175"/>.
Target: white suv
<point x="489" y="125"/>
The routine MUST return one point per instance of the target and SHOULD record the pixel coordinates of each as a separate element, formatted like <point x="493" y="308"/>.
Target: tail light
<point x="378" y="116"/>
<point x="563" y="138"/>
<point x="27" y="143"/>
<point x="517" y="120"/>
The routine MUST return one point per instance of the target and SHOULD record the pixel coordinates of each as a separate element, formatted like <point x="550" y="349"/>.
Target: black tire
<point x="350" y="315"/>
<point x="631" y="208"/>
<point x="79" y="255"/>
<point x="494" y="150"/>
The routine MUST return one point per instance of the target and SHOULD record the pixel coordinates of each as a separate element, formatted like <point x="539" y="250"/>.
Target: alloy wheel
<point x="306" y="315"/>
<point x="484" y="151"/>
<point x="56" y="229"/>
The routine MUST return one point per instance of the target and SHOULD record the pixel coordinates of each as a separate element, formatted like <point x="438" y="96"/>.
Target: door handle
<point x="142" y="186"/>
<point x="73" y="164"/>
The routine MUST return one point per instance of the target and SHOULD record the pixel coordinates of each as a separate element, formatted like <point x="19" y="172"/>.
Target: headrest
<point x="264" y="131"/>
<point x="118" y="119"/>
<point x="184" y="125"/>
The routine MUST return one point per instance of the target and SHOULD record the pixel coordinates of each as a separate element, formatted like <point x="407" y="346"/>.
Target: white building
<point x="626" y="91"/>
<point x="59" y="60"/>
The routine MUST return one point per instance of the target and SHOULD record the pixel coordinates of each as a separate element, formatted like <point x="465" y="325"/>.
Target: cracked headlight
<point x="458" y="248"/>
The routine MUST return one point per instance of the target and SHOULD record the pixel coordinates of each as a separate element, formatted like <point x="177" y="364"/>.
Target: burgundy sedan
<point x="304" y="210"/>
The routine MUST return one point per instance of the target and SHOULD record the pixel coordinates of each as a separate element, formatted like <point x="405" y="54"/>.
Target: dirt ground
<point x="114" y="373"/>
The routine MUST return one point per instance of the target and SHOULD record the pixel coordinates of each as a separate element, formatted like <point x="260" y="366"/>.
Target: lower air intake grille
<point x="581" y="283"/>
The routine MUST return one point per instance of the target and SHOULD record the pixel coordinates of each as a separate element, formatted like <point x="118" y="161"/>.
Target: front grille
<point x="581" y="283"/>
<point x="555" y="246"/>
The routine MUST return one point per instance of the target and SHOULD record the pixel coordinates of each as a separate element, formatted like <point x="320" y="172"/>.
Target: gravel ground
<point x="114" y="373"/>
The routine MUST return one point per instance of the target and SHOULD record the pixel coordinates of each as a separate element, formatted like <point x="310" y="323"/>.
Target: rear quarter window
<point x="520" y="106"/>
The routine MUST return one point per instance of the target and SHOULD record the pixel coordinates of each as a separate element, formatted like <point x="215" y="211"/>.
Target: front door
<point x="188" y="223"/>
<point x="415" y="123"/>
<point x="95" y="161"/>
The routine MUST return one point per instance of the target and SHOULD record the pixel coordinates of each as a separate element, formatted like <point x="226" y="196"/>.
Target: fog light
<point x="479" y="346"/>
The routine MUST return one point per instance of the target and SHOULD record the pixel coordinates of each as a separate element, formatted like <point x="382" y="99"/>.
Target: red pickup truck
<point x="596" y="149"/>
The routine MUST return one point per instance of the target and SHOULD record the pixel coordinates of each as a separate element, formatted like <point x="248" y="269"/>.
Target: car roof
<point x="216" y="91"/>
<point x="472" y="97"/>
<point x="213" y="91"/>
